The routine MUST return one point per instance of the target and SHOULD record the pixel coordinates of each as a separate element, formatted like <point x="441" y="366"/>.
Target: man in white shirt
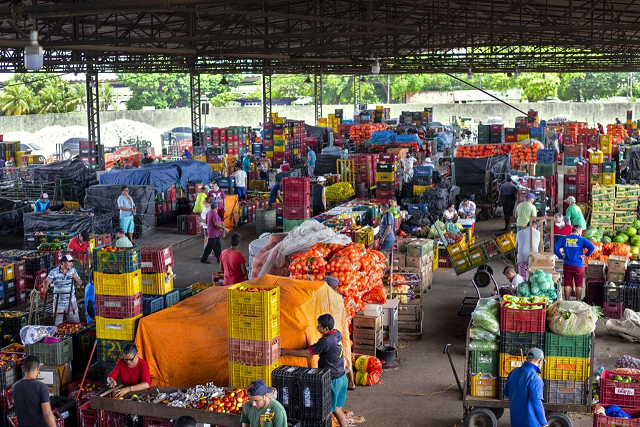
<point x="525" y="239"/>
<point x="407" y="166"/>
<point x="241" y="183"/>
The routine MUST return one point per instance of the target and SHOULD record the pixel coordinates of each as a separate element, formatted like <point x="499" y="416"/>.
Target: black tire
<point x="484" y="215"/>
<point x="481" y="417"/>
<point x="498" y="412"/>
<point x="440" y="161"/>
<point x="482" y="278"/>
<point x="557" y="419"/>
<point x="67" y="154"/>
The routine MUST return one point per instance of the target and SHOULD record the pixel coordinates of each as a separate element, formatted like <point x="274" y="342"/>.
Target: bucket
<point x="386" y="353"/>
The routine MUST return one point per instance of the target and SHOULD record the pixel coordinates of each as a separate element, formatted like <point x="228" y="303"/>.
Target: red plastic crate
<point x="296" y="185"/>
<point x="298" y="199"/>
<point x="73" y="390"/>
<point x="618" y="393"/>
<point x="13" y="420"/>
<point x="385" y="194"/>
<point x="6" y="399"/>
<point x="156" y="422"/>
<point x="21" y="283"/>
<point x="194" y="227"/>
<point x="387" y="157"/>
<point x="88" y="417"/>
<point x="296" y="212"/>
<point x="604" y="421"/>
<point x="252" y="352"/>
<point x="574" y="150"/>
<point x="33" y="276"/>
<point x="613" y="310"/>
<point x="119" y="307"/>
<point x="514" y="320"/>
<point x="19" y="268"/>
<point x="156" y="259"/>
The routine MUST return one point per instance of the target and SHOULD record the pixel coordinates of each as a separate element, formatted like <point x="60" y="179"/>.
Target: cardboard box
<point x="415" y="261"/>
<point x="403" y="242"/>
<point x="595" y="269"/>
<point x="617" y="278"/>
<point x="399" y="259"/>
<point x="55" y="377"/>
<point x="617" y="264"/>
<point x="540" y="260"/>
<point x="420" y="247"/>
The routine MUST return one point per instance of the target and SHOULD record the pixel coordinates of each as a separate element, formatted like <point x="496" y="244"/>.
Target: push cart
<point x="485" y="411"/>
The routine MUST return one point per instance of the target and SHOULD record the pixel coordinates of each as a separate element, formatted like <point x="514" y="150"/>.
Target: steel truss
<point x="196" y="109"/>
<point x="93" y="114"/>
<point x="317" y="96"/>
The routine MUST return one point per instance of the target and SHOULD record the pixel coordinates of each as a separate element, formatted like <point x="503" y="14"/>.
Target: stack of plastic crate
<point x="118" y="288"/>
<point x="157" y="278"/>
<point x="305" y="393"/>
<point x="567" y="371"/>
<point x="254" y="333"/>
<point x="385" y="189"/>
<point x="296" y="201"/>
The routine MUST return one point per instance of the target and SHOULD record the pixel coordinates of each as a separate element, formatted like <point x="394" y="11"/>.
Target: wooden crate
<point x="367" y="334"/>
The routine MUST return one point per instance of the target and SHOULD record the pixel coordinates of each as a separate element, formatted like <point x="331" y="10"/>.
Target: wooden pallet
<point x="367" y="334"/>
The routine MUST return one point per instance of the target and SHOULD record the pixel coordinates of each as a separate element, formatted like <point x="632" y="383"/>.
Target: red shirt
<point x="231" y="261"/>
<point x="565" y="231"/>
<point x="131" y="376"/>
<point x="75" y="246"/>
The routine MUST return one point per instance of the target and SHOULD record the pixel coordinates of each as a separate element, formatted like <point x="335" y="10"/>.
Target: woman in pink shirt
<point x="232" y="263"/>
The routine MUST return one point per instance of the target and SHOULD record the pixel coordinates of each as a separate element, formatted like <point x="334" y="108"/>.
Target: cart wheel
<point x="481" y="417"/>
<point x="482" y="278"/>
<point x="557" y="419"/>
<point x="498" y="412"/>
<point x="440" y="161"/>
<point x="484" y="215"/>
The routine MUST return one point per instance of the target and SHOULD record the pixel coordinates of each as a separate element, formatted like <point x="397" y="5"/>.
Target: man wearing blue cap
<point x="525" y="211"/>
<point x="261" y="410"/>
<point x="524" y="388"/>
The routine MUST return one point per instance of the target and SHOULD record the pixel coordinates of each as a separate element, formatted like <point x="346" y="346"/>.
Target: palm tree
<point x="106" y="96"/>
<point x="76" y="96"/>
<point x="51" y="97"/>
<point x="16" y="100"/>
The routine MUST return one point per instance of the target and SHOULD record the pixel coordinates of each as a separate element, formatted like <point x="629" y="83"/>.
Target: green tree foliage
<point x="587" y="86"/>
<point x="16" y="100"/>
<point x="171" y="90"/>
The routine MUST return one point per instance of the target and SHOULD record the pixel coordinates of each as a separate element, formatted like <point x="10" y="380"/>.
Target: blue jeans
<point x="242" y="192"/>
<point x="388" y="242"/>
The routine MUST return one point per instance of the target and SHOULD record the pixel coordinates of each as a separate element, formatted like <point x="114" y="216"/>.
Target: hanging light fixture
<point x="308" y="81"/>
<point x="33" y="58"/>
<point x="224" y="81"/>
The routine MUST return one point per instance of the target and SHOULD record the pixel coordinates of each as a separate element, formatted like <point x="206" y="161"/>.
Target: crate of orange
<point x="109" y="259"/>
<point x="247" y="300"/>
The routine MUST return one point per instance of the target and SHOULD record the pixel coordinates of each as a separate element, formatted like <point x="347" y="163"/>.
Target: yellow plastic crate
<point x="8" y="272"/>
<point x="265" y="303"/>
<point x="118" y="285"/>
<point x="608" y="179"/>
<point x="260" y="328"/>
<point x="269" y="154"/>
<point x="242" y="375"/>
<point x="506" y="242"/>
<point x="386" y="176"/>
<point x="116" y="329"/>
<point x="484" y="385"/>
<point x="596" y="157"/>
<point x="419" y="189"/>
<point x="279" y="148"/>
<point x="157" y="283"/>
<point x="522" y="137"/>
<point x="566" y="368"/>
<point x="508" y="363"/>
<point x="457" y="247"/>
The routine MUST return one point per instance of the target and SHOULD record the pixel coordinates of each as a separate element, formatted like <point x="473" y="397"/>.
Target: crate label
<point x="625" y="391"/>
<point x="168" y="260"/>
<point x="285" y="395"/>
<point x="113" y="304"/>
<point x="291" y="369"/>
<point x="485" y="359"/>
<point x="566" y="366"/>
<point x="568" y="390"/>
<point x="516" y="363"/>
<point x="308" y="403"/>
<point x="137" y="301"/>
<point x="146" y="264"/>
<point x="114" y="326"/>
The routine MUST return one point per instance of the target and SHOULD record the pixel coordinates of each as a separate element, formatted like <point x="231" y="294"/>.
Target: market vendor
<point x="131" y="370"/>
<point x="64" y="295"/>
<point x="318" y="197"/>
<point x="514" y="280"/>
<point x="80" y="243"/>
<point x="217" y="196"/>
<point x="122" y="241"/>
<point x="311" y="162"/>
<point x="329" y="348"/>
<point x="407" y="166"/>
<point x="450" y="214"/>
<point x="198" y="206"/>
<point x="42" y="204"/>
<point x="467" y="209"/>
<point x="275" y="196"/>
<point x="246" y="163"/>
<point x="524" y="388"/>
<point x="525" y="211"/>
<point x="127" y="211"/>
<point x="387" y="235"/>
<point x="508" y="195"/>
<point x="527" y="240"/>
<point x="560" y="226"/>
<point x="574" y="213"/>
<point x="572" y="249"/>
<point x="262" y="410"/>
<point x="264" y="166"/>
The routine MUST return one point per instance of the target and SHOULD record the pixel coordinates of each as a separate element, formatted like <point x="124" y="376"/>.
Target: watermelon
<point x="631" y="231"/>
<point x="620" y="238"/>
<point x="635" y="240"/>
<point x="608" y="234"/>
<point x="636" y="223"/>
<point x="607" y="239"/>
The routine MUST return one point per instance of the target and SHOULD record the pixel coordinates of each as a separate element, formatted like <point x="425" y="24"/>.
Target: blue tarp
<point x="161" y="176"/>
<point x="383" y="137"/>
<point x="443" y="139"/>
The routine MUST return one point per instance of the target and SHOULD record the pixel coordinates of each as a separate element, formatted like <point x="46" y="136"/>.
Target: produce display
<point x="200" y="286"/>
<point x="53" y="246"/>
<point x="71" y="328"/>
<point x="361" y="133"/>
<point x="524" y="303"/>
<point x="625" y="243"/>
<point x="486" y="325"/>
<point x="520" y="153"/>
<point x="540" y="284"/>
<point x="339" y="191"/>
<point x="113" y="249"/>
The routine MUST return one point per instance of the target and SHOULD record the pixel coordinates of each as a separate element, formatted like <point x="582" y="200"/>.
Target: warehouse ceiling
<point x="318" y="36"/>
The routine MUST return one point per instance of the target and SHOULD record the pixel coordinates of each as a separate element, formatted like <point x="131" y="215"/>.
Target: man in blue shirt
<point x="276" y="193"/>
<point x="573" y="247"/>
<point x="311" y="162"/>
<point x="90" y="302"/>
<point x="246" y="164"/>
<point x="127" y="211"/>
<point x="186" y="154"/>
<point x="524" y="388"/>
<point x="42" y="204"/>
<point x="387" y="235"/>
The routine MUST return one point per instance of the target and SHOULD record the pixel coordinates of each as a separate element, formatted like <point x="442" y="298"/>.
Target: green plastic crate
<point x="110" y="351"/>
<point x="567" y="346"/>
<point x="52" y="354"/>
<point x="484" y="362"/>
<point x="545" y="169"/>
<point x="290" y="224"/>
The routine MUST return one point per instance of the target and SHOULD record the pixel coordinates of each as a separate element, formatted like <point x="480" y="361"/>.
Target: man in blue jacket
<point x="573" y="246"/>
<point x="524" y="388"/>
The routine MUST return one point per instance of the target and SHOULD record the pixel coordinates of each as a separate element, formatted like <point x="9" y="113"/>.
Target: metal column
<point x="196" y="121"/>
<point x="317" y="95"/>
<point x="357" y="86"/>
<point x="93" y="114"/>
<point x="266" y="98"/>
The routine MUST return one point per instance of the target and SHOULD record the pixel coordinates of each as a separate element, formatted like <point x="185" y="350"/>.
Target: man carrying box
<point x="571" y="248"/>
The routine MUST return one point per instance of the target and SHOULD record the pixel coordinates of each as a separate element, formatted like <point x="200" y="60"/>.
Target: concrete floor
<point x="414" y="394"/>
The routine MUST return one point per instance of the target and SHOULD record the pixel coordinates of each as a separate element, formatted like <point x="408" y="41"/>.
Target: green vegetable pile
<point x="540" y="284"/>
<point x="53" y="246"/>
<point x="524" y="303"/>
<point x="486" y="326"/>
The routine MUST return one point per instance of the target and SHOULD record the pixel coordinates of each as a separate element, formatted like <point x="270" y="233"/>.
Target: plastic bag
<point x="31" y="334"/>
<point x="571" y="318"/>
<point x="477" y="333"/>
<point x="377" y="295"/>
<point x="478" y="345"/>
<point x="486" y="315"/>
<point x="489" y="304"/>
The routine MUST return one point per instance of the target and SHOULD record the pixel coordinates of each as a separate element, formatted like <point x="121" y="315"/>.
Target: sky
<point x="70" y="76"/>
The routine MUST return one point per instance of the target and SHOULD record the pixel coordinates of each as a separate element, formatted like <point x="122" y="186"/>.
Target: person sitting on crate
<point x="262" y="410"/>
<point x="64" y="295"/>
<point x="571" y="248"/>
<point x="42" y="204"/>
<point x="31" y="397"/>
<point x="329" y="348"/>
<point x="514" y="280"/>
<point x="525" y="390"/>
<point x="122" y="241"/>
<point x="467" y="209"/>
<point x="450" y="214"/>
<point x="131" y="370"/>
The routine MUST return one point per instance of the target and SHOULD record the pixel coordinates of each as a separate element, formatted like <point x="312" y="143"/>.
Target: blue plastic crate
<point x="228" y="181"/>
<point x="199" y="151"/>
<point x="418" y="208"/>
<point x="171" y="298"/>
<point x="152" y="303"/>
<point x="423" y="170"/>
<point x="546" y="156"/>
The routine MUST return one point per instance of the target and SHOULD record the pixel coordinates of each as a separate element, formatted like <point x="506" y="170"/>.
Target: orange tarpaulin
<point x="187" y="344"/>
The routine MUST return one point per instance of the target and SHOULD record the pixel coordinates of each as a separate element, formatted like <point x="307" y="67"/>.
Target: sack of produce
<point x="486" y="315"/>
<point x="377" y="295"/>
<point x="540" y="284"/>
<point x="477" y="333"/>
<point x="571" y="318"/>
<point x="368" y="370"/>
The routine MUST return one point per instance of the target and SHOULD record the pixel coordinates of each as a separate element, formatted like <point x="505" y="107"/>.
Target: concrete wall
<point x="251" y="116"/>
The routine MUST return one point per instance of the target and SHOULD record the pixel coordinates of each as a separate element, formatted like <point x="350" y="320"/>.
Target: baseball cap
<point x="571" y="199"/>
<point x="66" y="258"/>
<point x="118" y="230"/>
<point x="530" y="196"/>
<point x="427" y="160"/>
<point x="45" y="196"/>
<point x="258" y="388"/>
<point x="321" y="179"/>
<point x="535" y="353"/>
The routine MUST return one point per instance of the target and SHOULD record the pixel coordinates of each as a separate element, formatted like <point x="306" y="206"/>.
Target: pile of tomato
<point x="520" y="153"/>
<point x="230" y="403"/>
<point x="71" y="328"/>
<point x="361" y="133"/>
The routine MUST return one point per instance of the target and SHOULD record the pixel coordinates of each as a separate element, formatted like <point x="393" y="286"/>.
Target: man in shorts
<point x="571" y="248"/>
<point x="127" y="211"/>
<point x="329" y="348"/>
